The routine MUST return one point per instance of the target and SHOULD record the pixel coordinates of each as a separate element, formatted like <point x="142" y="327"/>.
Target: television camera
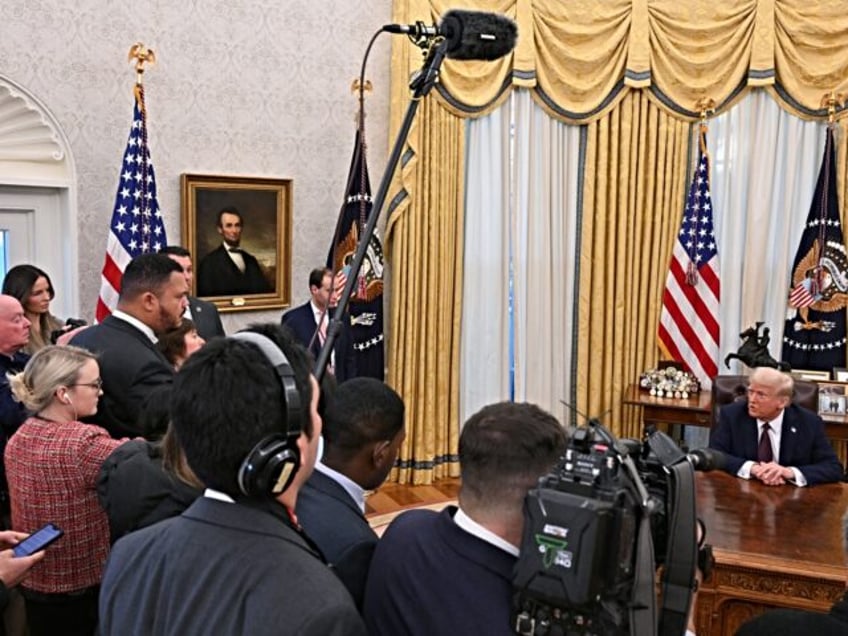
<point x="591" y="532"/>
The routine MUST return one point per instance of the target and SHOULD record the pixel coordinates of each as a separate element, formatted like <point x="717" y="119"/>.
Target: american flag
<point x="136" y="227"/>
<point x="689" y="330"/>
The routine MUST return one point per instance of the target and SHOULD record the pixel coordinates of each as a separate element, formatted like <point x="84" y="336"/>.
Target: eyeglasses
<point x="97" y="384"/>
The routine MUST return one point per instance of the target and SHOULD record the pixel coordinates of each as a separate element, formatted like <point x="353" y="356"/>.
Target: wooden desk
<point x="696" y="411"/>
<point x="774" y="547"/>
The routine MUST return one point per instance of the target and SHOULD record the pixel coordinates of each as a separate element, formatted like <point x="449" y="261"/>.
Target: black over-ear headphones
<point x="270" y="467"/>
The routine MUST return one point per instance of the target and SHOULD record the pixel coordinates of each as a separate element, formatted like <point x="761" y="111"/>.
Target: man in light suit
<point x="202" y="313"/>
<point x="770" y="439"/>
<point x="152" y="301"/>
<point x="304" y="322"/>
<point x="230" y="270"/>
<point x="363" y="432"/>
<point x="235" y="562"/>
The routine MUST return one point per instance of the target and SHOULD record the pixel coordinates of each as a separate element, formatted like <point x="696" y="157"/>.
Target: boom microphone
<point x="470" y="35"/>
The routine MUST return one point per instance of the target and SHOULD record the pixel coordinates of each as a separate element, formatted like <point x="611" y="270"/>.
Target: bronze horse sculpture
<point x="754" y="350"/>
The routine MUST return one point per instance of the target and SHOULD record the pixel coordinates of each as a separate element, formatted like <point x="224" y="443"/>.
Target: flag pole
<point x="422" y="83"/>
<point x="136" y="226"/>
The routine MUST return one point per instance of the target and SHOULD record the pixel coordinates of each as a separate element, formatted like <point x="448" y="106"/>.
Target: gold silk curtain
<point x="631" y="71"/>
<point x="636" y="160"/>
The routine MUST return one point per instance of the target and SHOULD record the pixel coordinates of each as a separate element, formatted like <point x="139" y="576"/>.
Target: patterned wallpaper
<point x="252" y="87"/>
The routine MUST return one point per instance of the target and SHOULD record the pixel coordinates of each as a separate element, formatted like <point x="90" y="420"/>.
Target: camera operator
<point x="451" y="572"/>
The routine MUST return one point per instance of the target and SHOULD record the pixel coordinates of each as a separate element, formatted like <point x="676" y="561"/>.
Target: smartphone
<point x="38" y="540"/>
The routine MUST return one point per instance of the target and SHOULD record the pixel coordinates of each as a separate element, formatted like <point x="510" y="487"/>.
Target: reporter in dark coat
<point x="363" y="431"/>
<point x="152" y="300"/>
<point x="304" y="320"/>
<point x="798" y="449"/>
<point x="203" y="313"/>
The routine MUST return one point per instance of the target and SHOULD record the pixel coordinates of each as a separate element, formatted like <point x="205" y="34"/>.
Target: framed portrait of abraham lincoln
<point x="238" y="230"/>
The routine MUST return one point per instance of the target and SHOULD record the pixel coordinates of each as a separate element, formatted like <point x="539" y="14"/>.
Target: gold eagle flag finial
<point x="830" y="101"/>
<point x="705" y="106"/>
<point x="142" y="55"/>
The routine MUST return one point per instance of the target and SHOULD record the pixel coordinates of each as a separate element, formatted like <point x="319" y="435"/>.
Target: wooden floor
<point x="391" y="497"/>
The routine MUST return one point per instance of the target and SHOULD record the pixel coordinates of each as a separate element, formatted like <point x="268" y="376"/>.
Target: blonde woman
<point x="52" y="463"/>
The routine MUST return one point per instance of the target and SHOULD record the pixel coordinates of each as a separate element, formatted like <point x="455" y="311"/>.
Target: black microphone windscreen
<point x="476" y="35"/>
<point x="707" y="459"/>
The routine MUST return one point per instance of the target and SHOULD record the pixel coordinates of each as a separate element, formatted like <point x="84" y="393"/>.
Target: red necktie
<point x="764" y="453"/>
<point x="322" y="331"/>
<point x="322" y="337"/>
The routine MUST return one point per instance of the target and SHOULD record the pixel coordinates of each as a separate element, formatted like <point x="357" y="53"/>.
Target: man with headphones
<point x="244" y="409"/>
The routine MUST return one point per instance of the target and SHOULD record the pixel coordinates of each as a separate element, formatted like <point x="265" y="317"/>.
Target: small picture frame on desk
<point x="811" y="375"/>
<point x="840" y="374"/>
<point x="833" y="398"/>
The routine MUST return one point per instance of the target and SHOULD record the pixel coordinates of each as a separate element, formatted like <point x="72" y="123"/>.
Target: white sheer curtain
<point x="484" y="337"/>
<point x="522" y="218"/>
<point x="530" y="234"/>
<point x="764" y="168"/>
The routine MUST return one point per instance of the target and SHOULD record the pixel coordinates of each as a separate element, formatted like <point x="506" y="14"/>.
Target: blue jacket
<point x="429" y="577"/>
<point x="803" y="443"/>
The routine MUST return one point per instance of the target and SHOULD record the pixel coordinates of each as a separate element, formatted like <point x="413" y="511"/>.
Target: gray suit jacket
<point x="222" y="568"/>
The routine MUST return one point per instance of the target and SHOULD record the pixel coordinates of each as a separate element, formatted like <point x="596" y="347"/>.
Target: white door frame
<point x="35" y="154"/>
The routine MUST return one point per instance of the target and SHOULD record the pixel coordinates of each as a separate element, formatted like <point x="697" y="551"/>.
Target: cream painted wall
<point x="241" y="87"/>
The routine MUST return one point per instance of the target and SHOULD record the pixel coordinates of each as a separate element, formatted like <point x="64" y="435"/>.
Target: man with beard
<point x="152" y="300"/>
<point x="230" y="270"/>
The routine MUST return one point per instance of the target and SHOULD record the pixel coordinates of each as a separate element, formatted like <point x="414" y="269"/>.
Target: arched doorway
<point x="38" y="211"/>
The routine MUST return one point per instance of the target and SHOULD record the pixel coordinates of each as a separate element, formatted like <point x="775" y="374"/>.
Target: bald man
<point x="768" y="438"/>
<point x="14" y="336"/>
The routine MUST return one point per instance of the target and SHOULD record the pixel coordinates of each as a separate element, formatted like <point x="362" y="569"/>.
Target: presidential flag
<point x="814" y="333"/>
<point x="366" y="301"/>
<point x="689" y="329"/>
<point x="136" y="227"/>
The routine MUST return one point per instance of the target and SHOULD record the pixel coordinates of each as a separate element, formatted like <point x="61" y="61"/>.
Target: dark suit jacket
<point x="301" y="321"/>
<point x="205" y="317"/>
<point x="332" y="519"/>
<point x="793" y="622"/>
<point x="429" y="576"/>
<point x="222" y="568"/>
<point x="217" y="275"/>
<point x="131" y="367"/>
<point x="803" y="443"/>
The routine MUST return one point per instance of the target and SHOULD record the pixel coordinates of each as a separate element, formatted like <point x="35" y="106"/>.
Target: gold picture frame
<point x="248" y="267"/>
<point x="811" y="375"/>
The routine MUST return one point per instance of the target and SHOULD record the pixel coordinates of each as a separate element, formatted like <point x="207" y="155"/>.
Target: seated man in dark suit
<point x="363" y="431"/>
<point x="202" y="313"/>
<point x="766" y="437"/>
<point x="786" y="622"/>
<point x="152" y="301"/>
<point x="230" y="270"/>
<point x="451" y="572"/>
<point x="235" y="562"/>
<point x="309" y="323"/>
